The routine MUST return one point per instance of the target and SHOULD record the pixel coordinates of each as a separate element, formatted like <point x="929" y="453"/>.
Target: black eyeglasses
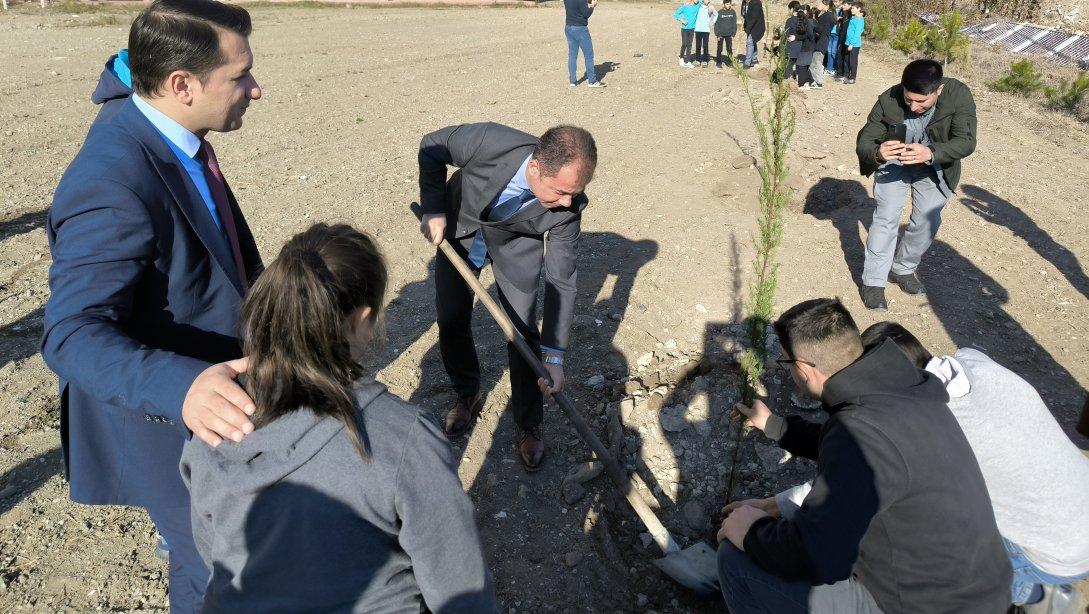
<point x="786" y="361"/>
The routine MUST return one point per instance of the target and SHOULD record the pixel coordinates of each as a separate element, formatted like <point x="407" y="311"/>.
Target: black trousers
<point x="804" y="75"/>
<point x="851" y="69"/>
<point x="454" y="304"/>
<point x="729" y="42"/>
<point x="703" y="50"/>
<point x="686" y="44"/>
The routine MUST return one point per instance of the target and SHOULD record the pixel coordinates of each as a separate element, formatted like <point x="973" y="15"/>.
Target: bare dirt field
<point x="663" y="268"/>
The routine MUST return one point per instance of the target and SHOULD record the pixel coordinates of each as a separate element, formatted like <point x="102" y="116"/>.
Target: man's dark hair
<point x="562" y="145"/>
<point x="174" y="35"/>
<point x="922" y="77"/>
<point x="821" y="331"/>
<point x="793" y="5"/>
<point x="908" y="344"/>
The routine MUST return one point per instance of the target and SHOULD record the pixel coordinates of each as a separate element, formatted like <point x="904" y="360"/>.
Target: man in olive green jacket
<point x="914" y="139"/>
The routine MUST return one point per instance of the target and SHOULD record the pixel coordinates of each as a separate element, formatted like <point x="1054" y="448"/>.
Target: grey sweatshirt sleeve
<point x="437" y="527"/>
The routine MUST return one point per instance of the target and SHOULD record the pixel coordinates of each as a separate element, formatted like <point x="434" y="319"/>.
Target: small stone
<point x="673" y="419"/>
<point x="523" y="491"/>
<point x="671" y="344"/>
<point x="695" y="515"/>
<point x="647" y="539"/>
<point x="632" y="386"/>
<point x="572" y="492"/>
<point x="743" y="162"/>
<point x="500" y="515"/>
<point x="572" y="558"/>
<point x="596" y="381"/>
<point x="644" y="360"/>
<point x="641" y="600"/>
<point x="772" y="457"/>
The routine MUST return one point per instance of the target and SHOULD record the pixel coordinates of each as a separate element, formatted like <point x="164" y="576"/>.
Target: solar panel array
<point x="1063" y="48"/>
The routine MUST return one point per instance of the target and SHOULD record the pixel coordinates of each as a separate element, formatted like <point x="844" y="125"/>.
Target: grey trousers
<point x="891" y="185"/>
<point x="817" y="67"/>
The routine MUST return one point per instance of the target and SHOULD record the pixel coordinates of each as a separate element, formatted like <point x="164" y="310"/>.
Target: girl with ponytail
<point x="344" y="498"/>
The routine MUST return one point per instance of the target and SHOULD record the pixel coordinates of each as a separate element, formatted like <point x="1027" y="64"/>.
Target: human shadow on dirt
<point x="525" y="523"/>
<point x="605" y="68"/>
<point x="969" y="303"/>
<point x="22" y="480"/>
<point x="21" y="223"/>
<point x="21" y="338"/>
<point x="998" y="210"/>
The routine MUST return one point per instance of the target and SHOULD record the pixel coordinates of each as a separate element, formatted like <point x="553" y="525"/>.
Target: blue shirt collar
<point x="187" y="142"/>
<point x="519" y="179"/>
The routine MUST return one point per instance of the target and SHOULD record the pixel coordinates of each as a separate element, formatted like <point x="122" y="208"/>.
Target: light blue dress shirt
<point x="516" y="186"/>
<point x="185" y="146"/>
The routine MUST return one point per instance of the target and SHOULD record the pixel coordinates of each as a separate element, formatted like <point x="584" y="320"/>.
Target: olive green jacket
<point x="952" y="130"/>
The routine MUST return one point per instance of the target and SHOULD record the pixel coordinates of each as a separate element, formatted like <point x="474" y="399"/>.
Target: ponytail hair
<point x="294" y="325"/>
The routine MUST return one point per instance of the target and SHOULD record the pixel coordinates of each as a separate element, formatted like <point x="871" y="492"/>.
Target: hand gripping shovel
<point x="695" y="567"/>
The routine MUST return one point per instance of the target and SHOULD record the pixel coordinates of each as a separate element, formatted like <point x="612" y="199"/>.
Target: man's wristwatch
<point x="553" y="359"/>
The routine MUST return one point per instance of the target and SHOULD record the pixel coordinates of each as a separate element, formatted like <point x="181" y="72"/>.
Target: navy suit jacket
<point x="144" y="295"/>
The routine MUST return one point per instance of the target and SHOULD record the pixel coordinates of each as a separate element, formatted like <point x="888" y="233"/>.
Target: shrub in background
<point x="1022" y="79"/>
<point x="1070" y="94"/>
<point x="946" y="42"/>
<point x="911" y="38"/>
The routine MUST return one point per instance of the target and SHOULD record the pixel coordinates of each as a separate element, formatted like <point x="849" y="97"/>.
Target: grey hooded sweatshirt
<point x="293" y="518"/>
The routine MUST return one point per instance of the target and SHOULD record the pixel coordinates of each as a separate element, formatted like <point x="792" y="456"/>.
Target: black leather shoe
<point x="909" y="283"/>
<point x="873" y="297"/>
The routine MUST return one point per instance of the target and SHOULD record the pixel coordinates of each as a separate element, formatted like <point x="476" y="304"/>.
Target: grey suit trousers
<point x="891" y="185"/>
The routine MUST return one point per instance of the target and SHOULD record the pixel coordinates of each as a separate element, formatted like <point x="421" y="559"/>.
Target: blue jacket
<point x="144" y="295"/>
<point x="854" y="32"/>
<point x="687" y="12"/>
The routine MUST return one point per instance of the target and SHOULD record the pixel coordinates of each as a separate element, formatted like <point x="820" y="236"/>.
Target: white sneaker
<point x="574" y="85"/>
<point x="688" y="65"/>
<point x="681" y="62"/>
<point x="596" y="84"/>
<point x="804" y="87"/>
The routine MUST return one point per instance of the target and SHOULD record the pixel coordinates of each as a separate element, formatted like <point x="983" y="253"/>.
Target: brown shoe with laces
<point x="530" y="447"/>
<point x="462" y="415"/>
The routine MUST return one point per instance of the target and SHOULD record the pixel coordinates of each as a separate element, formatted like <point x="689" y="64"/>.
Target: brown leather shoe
<point x="462" y="415"/>
<point x="530" y="447"/>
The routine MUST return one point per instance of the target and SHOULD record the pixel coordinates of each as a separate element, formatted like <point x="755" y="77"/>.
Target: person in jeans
<point x="831" y="59"/>
<point x="752" y="12"/>
<point x="898" y="519"/>
<point x="853" y="42"/>
<point x="914" y="139"/>
<point x="686" y="14"/>
<point x="825" y="22"/>
<point x="842" y="21"/>
<point x="725" y="30"/>
<point x="1045" y="534"/>
<point x="578" y="37"/>
<point x="705" y="16"/>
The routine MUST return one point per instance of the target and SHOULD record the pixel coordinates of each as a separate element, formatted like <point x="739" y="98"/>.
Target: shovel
<point x="695" y="567"/>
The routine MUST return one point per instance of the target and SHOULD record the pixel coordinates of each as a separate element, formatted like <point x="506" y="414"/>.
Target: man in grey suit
<point x="517" y="202"/>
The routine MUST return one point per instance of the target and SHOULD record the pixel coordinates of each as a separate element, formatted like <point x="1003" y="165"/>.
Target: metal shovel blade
<point x="695" y="568"/>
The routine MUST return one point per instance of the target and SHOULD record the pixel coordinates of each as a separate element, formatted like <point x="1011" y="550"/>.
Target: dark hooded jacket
<point x="110" y="93"/>
<point x="294" y="519"/>
<point x="898" y="502"/>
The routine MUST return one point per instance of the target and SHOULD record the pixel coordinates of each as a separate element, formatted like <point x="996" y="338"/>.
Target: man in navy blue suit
<point x="151" y="260"/>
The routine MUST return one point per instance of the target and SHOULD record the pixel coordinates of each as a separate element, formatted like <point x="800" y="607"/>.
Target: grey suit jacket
<point x="488" y="155"/>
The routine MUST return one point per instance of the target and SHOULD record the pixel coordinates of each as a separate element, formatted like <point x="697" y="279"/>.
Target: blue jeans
<point x="1027" y="576"/>
<point x="748" y="589"/>
<point x="578" y="37"/>
<point x="188" y="573"/>
<point x="750" y="51"/>
<point x="833" y="48"/>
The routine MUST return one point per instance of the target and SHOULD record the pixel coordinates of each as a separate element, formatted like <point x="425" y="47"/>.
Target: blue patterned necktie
<point x="479" y="251"/>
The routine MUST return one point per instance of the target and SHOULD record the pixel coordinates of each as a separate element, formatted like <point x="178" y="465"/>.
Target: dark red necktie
<point x="218" y="187"/>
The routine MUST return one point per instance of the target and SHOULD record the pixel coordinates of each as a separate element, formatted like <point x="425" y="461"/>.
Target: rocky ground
<point x="664" y="266"/>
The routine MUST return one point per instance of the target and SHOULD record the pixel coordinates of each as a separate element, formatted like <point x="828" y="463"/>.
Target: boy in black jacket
<point x="898" y="520"/>
<point x="725" y="30"/>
